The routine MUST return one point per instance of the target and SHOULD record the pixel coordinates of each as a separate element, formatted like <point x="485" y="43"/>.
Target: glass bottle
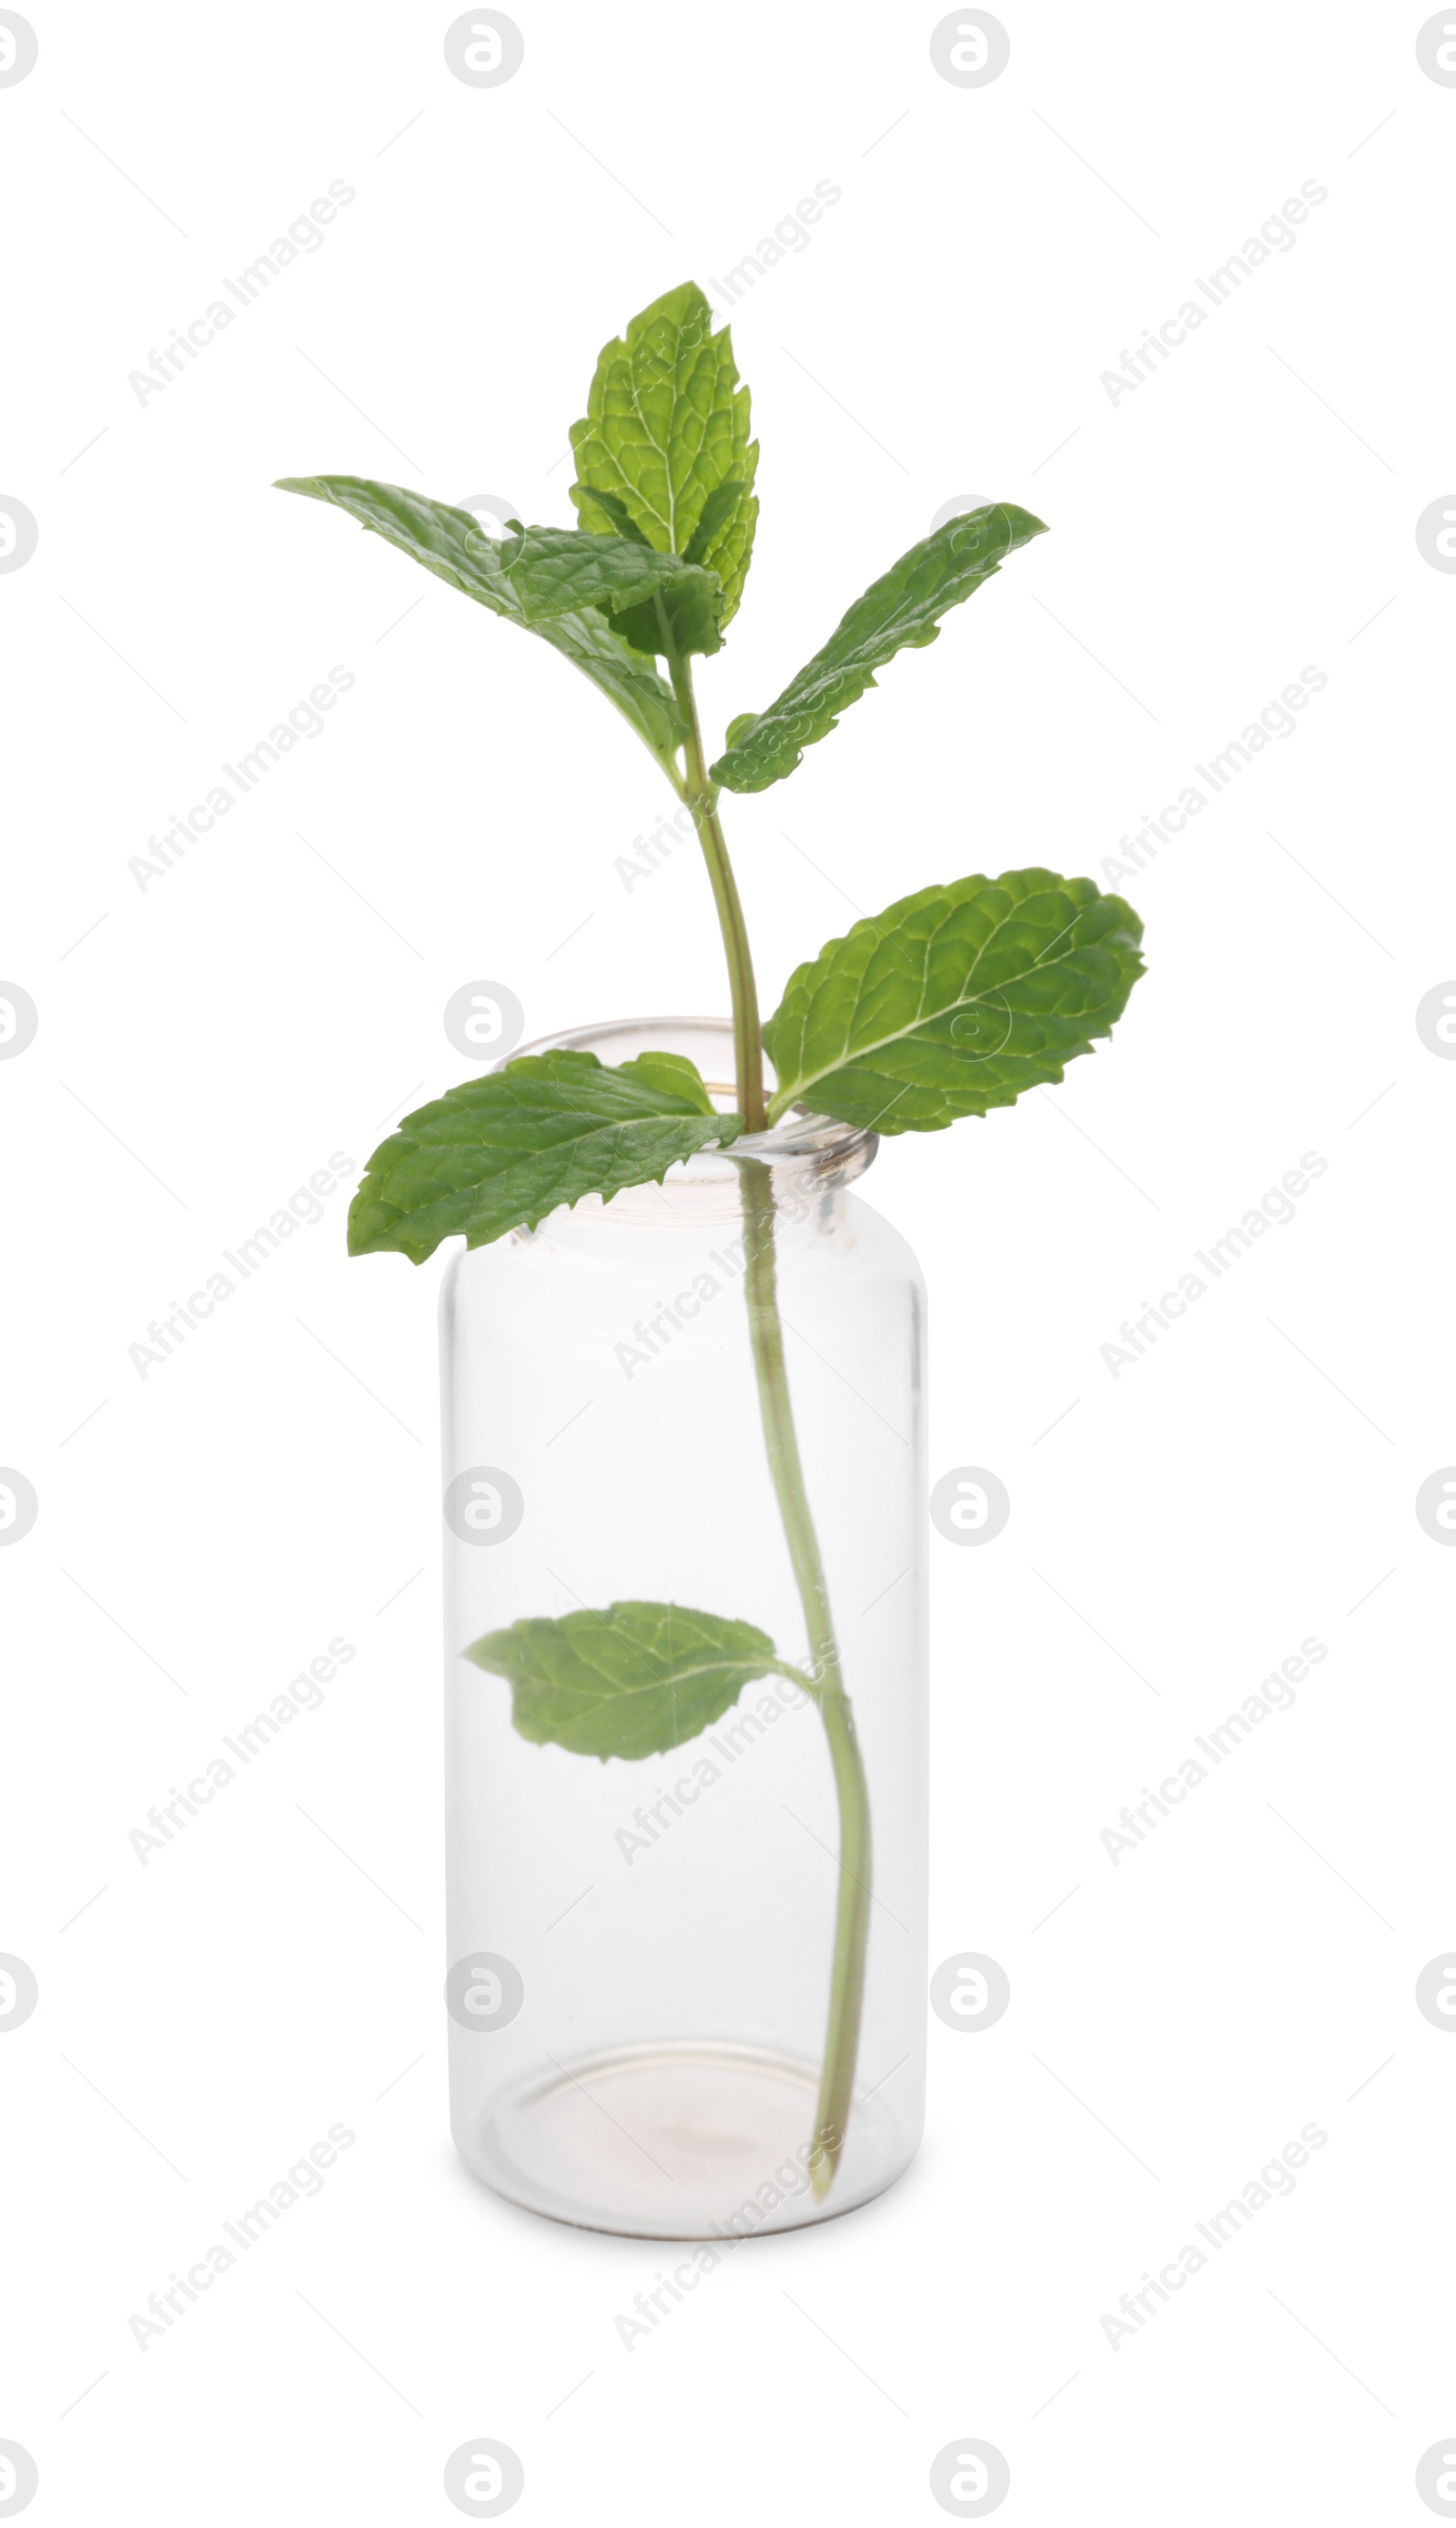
<point x="686" y="1992"/>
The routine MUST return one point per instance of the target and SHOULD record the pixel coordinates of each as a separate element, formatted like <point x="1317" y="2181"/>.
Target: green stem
<point x="781" y="1439"/>
<point x="851" y="1911"/>
<point x="701" y="796"/>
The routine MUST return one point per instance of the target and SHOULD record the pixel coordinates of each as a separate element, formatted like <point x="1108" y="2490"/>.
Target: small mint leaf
<point x="633" y="1679"/>
<point x="692" y="602"/>
<point x="671" y="1071"/>
<point x="560" y="570"/>
<point x="616" y="513"/>
<point x="718" y="509"/>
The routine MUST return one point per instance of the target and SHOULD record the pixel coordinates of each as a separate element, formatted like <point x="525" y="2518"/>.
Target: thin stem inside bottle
<point x="852" y="1910"/>
<point x="786" y="1466"/>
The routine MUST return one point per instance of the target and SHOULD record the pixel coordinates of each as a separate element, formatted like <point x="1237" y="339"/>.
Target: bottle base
<point x="677" y="2141"/>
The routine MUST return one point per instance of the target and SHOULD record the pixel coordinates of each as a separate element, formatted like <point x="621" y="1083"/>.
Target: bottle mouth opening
<point x="709" y="1042"/>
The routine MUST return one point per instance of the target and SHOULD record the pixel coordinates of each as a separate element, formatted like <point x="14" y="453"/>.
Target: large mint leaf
<point x="451" y="544"/>
<point x="901" y="611"/>
<point x="666" y="437"/>
<point x="503" y="1151"/>
<point x="620" y="671"/>
<point x="631" y="1679"/>
<point x="953" y="1001"/>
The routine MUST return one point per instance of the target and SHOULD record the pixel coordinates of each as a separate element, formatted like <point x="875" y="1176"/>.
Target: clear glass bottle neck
<point x="809" y="1158"/>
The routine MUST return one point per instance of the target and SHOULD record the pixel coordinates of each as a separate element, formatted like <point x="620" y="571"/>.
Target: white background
<point x="205" y="1043"/>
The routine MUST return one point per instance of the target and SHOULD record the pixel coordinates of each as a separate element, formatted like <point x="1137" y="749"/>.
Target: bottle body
<point x="644" y="1954"/>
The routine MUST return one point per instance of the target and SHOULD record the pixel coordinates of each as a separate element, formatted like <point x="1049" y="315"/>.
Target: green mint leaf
<point x="694" y="607"/>
<point x="658" y="599"/>
<point x="451" y="544"/>
<point x="953" y="1001"/>
<point x="560" y="571"/>
<point x="618" y="669"/>
<point x="618" y="517"/>
<point x="901" y="611"/>
<point x="721" y="506"/>
<point x="671" y="1071"/>
<point x="667" y="429"/>
<point x="631" y="1679"/>
<point x="500" y="1152"/>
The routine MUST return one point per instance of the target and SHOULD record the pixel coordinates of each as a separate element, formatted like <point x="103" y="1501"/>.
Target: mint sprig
<point x="952" y="1002"/>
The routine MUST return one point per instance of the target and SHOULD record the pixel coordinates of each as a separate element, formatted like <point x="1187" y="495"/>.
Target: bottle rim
<point x="801" y="1135"/>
